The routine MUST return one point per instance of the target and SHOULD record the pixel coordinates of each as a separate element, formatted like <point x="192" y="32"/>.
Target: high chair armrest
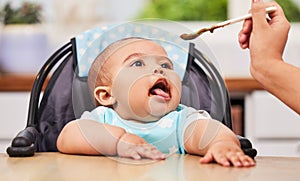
<point x="23" y="144"/>
<point x="247" y="146"/>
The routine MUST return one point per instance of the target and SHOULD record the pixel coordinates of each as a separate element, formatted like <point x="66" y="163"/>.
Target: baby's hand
<point x="226" y="153"/>
<point x="132" y="146"/>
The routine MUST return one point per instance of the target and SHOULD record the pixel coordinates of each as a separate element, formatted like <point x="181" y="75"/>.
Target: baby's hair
<point x="98" y="74"/>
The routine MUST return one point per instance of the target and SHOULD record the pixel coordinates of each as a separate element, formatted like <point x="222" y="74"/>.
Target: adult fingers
<point x="244" y="34"/>
<point x="258" y="14"/>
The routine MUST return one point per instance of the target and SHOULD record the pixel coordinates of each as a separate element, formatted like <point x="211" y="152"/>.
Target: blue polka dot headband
<point x="92" y="42"/>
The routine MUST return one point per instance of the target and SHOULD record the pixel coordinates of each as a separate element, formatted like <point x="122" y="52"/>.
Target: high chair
<point x="66" y="95"/>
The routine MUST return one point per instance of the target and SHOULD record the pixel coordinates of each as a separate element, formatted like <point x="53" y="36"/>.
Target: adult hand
<point x="266" y="39"/>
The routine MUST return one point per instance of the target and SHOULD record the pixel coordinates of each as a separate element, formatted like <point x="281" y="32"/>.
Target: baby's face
<point x="144" y="83"/>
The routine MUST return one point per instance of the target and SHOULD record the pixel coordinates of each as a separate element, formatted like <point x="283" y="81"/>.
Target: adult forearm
<point x="282" y="80"/>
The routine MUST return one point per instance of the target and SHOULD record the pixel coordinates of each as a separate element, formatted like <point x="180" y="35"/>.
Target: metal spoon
<point x="191" y="36"/>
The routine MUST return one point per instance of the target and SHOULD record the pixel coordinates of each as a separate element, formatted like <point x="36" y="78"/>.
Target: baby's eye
<point x="137" y="63"/>
<point x="167" y="66"/>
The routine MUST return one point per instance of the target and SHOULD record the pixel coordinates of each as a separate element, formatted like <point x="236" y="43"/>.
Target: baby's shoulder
<point x="187" y="111"/>
<point x="99" y="112"/>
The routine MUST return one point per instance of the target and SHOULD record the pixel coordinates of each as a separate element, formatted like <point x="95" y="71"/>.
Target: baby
<point x="138" y="114"/>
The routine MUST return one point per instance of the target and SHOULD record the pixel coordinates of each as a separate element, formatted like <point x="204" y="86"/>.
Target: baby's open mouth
<point x="161" y="88"/>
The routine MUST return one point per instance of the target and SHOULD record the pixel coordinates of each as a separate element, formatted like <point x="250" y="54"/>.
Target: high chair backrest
<point x="67" y="97"/>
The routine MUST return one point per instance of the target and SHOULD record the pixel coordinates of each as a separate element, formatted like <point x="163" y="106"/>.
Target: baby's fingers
<point x="219" y="158"/>
<point x="207" y="158"/>
<point x="151" y="152"/>
<point x="239" y="159"/>
<point x="130" y="153"/>
<point x="222" y="160"/>
<point x="245" y="161"/>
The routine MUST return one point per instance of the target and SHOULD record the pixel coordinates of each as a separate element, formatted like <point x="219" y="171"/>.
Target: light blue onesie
<point x="166" y="134"/>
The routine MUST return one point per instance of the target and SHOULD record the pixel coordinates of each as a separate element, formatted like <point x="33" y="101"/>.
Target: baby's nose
<point x="159" y="70"/>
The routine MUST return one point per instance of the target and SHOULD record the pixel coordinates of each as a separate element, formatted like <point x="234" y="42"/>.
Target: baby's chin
<point x="155" y="113"/>
<point x="158" y="108"/>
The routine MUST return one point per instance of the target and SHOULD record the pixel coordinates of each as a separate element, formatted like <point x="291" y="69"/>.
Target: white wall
<point x="13" y="111"/>
<point x="272" y="127"/>
<point x="64" y="22"/>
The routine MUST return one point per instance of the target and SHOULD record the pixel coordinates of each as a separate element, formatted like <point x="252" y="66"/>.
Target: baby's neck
<point x="142" y="121"/>
<point x="144" y="118"/>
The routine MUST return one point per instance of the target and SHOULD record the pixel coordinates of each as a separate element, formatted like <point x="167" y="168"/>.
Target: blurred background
<point x="60" y="21"/>
<point x="30" y="31"/>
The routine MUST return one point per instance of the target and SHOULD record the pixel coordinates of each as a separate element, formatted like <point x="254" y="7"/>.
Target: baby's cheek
<point x="137" y="98"/>
<point x="176" y="87"/>
<point x="176" y="98"/>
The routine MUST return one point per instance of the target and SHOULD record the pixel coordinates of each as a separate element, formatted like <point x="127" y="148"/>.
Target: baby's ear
<point x="103" y="95"/>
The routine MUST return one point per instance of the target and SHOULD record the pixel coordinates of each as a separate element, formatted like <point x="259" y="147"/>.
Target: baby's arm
<point x="93" y="138"/>
<point x="216" y="142"/>
<point x="78" y="137"/>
